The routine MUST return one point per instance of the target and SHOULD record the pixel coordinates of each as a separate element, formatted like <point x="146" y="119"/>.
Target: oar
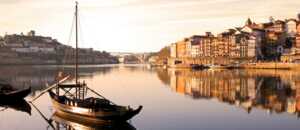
<point x="50" y="87"/>
<point x="49" y="121"/>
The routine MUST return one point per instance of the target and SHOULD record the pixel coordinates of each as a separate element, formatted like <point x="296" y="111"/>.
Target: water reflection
<point x="38" y="76"/>
<point x="64" y="122"/>
<point x="271" y="90"/>
<point x="203" y="99"/>
<point x="19" y="105"/>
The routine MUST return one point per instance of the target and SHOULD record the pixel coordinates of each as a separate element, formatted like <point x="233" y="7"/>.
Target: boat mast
<point x="79" y="91"/>
<point x="76" y="51"/>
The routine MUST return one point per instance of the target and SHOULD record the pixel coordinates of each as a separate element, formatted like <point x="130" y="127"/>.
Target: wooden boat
<point x="7" y="92"/>
<point x="215" y="67"/>
<point x="74" y="101"/>
<point x="60" y="120"/>
<point x="92" y="109"/>
<point x="18" y="105"/>
<point x="198" y="66"/>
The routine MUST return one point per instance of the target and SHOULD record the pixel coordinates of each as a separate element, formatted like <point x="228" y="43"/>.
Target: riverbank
<point x="271" y="65"/>
<point x="32" y="61"/>
<point x="262" y="65"/>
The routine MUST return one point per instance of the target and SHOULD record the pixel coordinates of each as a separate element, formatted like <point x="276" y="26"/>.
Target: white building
<point x="152" y="59"/>
<point x="23" y="50"/>
<point x="13" y="44"/>
<point x="33" y="50"/>
<point x="252" y="46"/>
<point x="47" y="50"/>
<point x="291" y="27"/>
<point x="173" y="50"/>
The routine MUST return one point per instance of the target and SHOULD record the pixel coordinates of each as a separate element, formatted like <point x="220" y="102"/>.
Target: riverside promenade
<point x="259" y="65"/>
<point x="271" y="65"/>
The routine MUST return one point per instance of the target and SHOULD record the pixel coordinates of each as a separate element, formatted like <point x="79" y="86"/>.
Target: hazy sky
<point x="136" y="25"/>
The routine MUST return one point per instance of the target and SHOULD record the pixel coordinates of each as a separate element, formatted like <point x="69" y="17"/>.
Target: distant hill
<point x="31" y="49"/>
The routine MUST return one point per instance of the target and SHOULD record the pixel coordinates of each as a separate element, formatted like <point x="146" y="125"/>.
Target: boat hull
<point x="15" y="95"/>
<point x="120" y="115"/>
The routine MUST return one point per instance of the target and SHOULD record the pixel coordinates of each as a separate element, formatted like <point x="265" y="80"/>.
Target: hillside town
<point x="33" y="49"/>
<point x="273" y="41"/>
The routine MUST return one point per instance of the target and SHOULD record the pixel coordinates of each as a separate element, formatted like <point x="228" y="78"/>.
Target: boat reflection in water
<point x="60" y="121"/>
<point x="18" y="105"/>
<point x="271" y="90"/>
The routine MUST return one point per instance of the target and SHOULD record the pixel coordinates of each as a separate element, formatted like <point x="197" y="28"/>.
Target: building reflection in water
<point x="271" y="90"/>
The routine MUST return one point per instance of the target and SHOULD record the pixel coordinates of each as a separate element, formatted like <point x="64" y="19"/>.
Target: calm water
<point x="172" y="99"/>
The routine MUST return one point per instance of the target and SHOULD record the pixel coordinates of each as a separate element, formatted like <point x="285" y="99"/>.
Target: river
<point x="172" y="99"/>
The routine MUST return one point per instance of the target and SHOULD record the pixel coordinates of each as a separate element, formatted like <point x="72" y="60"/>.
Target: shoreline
<point x="271" y="65"/>
<point x="59" y="64"/>
<point x="261" y="65"/>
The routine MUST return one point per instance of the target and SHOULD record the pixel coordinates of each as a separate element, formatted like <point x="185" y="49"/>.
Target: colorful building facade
<point x="250" y="43"/>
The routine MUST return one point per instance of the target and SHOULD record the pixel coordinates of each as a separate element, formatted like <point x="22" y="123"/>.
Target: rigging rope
<point x="69" y="39"/>
<point x="80" y="30"/>
<point x="65" y="51"/>
<point x="68" y="53"/>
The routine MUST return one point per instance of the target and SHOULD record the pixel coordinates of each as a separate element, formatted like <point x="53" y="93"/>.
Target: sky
<point x="136" y="25"/>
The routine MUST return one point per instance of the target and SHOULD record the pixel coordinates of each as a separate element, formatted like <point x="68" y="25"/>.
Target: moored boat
<point x="198" y="66"/>
<point x="92" y="109"/>
<point x="213" y="67"/>
<point x="7" y="92"/>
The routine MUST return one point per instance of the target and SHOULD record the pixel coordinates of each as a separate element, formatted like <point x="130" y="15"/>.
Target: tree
<point x="163" y="55"/>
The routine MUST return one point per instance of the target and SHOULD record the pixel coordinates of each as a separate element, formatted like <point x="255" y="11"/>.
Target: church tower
<point x="248" y="22"/>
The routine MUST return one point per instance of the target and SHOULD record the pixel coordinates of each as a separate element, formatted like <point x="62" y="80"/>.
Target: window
<point x="178" y="62"/>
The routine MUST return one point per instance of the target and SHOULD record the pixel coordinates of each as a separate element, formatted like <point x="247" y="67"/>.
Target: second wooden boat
<point x="7" y="92"/>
